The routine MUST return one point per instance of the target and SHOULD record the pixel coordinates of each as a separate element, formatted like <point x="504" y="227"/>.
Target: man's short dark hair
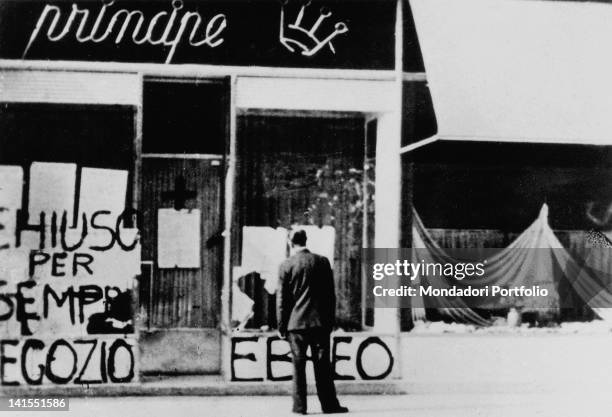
<point x="299" y="238"/>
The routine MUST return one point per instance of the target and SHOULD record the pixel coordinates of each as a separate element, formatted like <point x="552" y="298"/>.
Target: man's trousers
<point x="318" y="340"/>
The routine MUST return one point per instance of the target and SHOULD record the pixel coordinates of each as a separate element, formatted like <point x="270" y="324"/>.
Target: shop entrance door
<point x="184" y="193"/>
<point x="183" y="168"/>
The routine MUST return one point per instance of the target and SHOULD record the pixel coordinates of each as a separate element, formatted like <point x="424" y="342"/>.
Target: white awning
<point x="518" y="70"/>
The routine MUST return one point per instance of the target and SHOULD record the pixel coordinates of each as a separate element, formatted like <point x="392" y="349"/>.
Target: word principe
<point x="412" y="270"/>
<point x="169" y="29"/>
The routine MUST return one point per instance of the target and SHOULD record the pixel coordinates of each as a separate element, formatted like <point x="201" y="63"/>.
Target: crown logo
<point x="297" y="36"/>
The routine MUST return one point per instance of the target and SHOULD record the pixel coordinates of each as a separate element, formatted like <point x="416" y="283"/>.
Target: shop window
<point x="502" y="186"/>
<point x="306" y="171"/>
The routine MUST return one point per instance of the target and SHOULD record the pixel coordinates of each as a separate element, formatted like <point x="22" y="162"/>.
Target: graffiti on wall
<point x="354" y="357"/>
<point x="67" y="269"/>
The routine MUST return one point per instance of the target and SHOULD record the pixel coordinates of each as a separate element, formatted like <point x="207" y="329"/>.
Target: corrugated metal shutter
<point x="69" y="87"/>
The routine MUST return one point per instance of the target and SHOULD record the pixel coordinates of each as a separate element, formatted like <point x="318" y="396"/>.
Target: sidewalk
<point x="199" y="385"/>
<point x="438" y="404"/>
<point x="449" y="363"/>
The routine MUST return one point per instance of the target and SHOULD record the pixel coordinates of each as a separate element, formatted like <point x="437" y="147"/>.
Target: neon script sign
<point x="306" y="33"/>
<point x="169" y="28"/>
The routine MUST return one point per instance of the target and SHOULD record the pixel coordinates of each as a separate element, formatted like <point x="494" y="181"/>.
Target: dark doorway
<point x="185" y="132"/>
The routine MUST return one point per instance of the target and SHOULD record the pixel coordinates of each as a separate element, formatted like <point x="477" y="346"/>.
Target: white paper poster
<point x="103" y="189"/>
<point x="11" y="189"/>
<point x="263" y="250"/>
<point x="52" y="189"/>
<point x="320" y="240"/>
<point x="178" y="238"/>
<point x="11" y="186"/>
<point x="242" y="304"/>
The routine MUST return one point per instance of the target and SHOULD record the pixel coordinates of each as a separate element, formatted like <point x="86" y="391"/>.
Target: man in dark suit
<point x="306" y="309"/>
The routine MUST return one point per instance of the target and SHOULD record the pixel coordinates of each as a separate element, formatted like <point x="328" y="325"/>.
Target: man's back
<point x="306" y="297"/>
<point x="306" y="305"/>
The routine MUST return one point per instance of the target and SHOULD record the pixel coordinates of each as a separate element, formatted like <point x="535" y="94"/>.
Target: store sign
<point x="122" y="25"/>
<point x="334" y="34"/>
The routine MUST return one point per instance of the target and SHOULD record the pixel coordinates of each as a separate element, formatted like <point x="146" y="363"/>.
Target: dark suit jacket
<point x="305" y="297"/>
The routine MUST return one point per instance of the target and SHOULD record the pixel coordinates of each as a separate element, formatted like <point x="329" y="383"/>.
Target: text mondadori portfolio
<point x="469" y="291"/>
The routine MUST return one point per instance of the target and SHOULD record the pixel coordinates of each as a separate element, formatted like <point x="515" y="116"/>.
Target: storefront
<point x="522" y="135"/>
<point x="222" y="125"/>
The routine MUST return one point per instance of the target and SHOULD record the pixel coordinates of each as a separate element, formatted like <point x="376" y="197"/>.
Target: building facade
<point x="219" y="126"/>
